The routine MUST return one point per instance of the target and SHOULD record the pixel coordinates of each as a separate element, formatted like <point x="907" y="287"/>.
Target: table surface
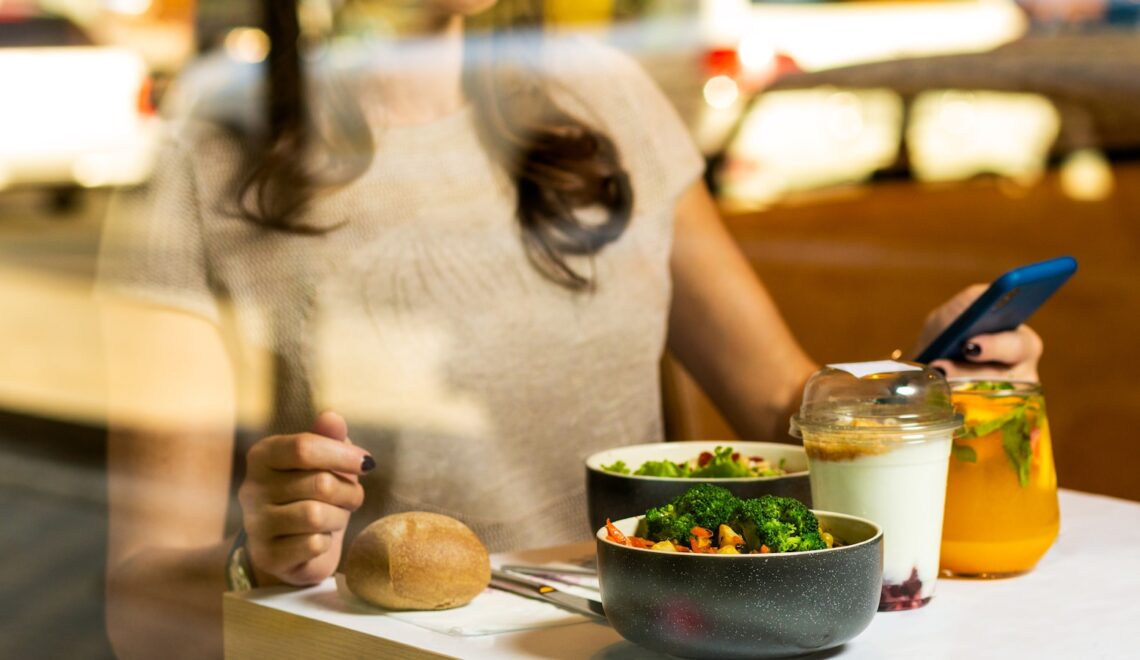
<point x="1080" y="602"/>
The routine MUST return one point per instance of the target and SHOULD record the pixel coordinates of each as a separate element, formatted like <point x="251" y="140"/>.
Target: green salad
<point x="721" y="463"/>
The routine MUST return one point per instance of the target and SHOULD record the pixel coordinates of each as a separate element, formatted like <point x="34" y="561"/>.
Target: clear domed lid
<point x="870" y="396"/>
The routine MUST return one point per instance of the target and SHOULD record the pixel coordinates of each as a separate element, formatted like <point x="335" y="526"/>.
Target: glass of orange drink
<point x="1001" y="495"/>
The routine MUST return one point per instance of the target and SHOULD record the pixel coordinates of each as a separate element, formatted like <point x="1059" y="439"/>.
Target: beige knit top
<point x="478" y="385"/>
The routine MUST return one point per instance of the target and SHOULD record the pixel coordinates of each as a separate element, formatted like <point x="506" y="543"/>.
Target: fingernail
<point x="971" y="350"/>
<point x="368" y="464"/>
<point x="940" y="370"/>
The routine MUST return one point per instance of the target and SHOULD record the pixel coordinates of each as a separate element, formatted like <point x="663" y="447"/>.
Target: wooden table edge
<point x="253" y="631"/>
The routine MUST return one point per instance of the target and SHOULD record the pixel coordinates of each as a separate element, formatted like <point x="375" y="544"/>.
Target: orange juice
<point x="1001" y="494"/>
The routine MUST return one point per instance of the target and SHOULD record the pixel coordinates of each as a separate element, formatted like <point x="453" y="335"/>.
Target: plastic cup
<point x="878" y="438"/>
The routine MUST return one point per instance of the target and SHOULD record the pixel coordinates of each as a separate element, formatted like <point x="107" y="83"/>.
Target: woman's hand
<point x="1009" y="355"/>
<point x="1060" y="12"/>
<point x="298" y="494"/>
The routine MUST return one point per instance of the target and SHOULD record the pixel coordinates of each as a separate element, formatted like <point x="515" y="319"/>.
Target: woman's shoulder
<point x="596" y="73"/>
<point x="608" y="88"/>
<point x="195" y="164"/>
<point x="574" y="54"/>
<point x="216" y="90"/>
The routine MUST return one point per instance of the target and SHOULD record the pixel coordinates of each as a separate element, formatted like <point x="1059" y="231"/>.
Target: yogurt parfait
<point x="878" y="437"/>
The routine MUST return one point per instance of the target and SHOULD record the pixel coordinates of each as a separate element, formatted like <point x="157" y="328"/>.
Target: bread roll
<point x="417" y="561"/>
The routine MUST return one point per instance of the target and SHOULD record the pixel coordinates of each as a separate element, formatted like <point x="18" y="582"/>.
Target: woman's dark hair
<point x="560" y="165"/>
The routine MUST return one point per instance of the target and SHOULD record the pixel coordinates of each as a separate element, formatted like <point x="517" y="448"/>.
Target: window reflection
<point x="842" y="137"/>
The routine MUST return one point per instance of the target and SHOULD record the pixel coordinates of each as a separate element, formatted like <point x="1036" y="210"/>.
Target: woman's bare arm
<point x="725" y="329"/>
<point x="172" y="419"/>
<point x="170" y="448"/>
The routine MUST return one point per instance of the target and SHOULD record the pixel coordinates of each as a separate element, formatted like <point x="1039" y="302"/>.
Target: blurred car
<point x="74" y="114"/>
<point x="1058" y="99"/>
<point x="711" y="57"/>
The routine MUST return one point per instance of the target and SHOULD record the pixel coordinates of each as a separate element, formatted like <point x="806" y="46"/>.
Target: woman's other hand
<point x="1061" y="12"/>
<point x="1011" y="355"/>
<point x="298" y="494"/>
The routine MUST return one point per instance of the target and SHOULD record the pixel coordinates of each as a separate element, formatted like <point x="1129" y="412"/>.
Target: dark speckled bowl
<point x="614" y="496"/>
<point x="744" y="606"/>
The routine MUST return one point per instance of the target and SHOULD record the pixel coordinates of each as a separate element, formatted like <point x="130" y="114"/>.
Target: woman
<point x="484" y="288"/>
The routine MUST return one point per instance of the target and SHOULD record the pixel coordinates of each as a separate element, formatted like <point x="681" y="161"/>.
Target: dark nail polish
<point x="368" y="464"/>
<point x="940" y="370"/>
<point x="971" y="350"/>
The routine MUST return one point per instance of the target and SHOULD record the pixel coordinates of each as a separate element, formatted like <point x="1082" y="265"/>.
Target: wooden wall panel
<point x="855" y="273"/>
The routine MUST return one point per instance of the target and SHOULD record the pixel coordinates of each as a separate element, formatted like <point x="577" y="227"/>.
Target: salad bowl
<point x="771" y="605"/>
<point x="613" y="494"/>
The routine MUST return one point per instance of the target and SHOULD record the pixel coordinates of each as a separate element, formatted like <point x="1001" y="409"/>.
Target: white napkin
<point x="491" y="612"/>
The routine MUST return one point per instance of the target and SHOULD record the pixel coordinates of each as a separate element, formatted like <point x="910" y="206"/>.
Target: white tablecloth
<point x="1082" y="601"/>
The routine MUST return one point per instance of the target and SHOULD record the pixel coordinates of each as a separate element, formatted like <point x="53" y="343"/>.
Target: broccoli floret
<point x="708" y="504"/>
<point x="665" y="523"/>
<point x="703" y="505"/>
<point x="784" y="524"/>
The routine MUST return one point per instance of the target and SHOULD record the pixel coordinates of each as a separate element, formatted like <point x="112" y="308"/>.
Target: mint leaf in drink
<point x="991" y="386"/>
<point x="983" y="429"/>
<point x="1015" y="439"/>
<point x="964" y="453"/>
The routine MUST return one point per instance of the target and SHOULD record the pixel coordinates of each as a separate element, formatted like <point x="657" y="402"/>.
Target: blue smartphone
<point x="1006" y="304"/>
